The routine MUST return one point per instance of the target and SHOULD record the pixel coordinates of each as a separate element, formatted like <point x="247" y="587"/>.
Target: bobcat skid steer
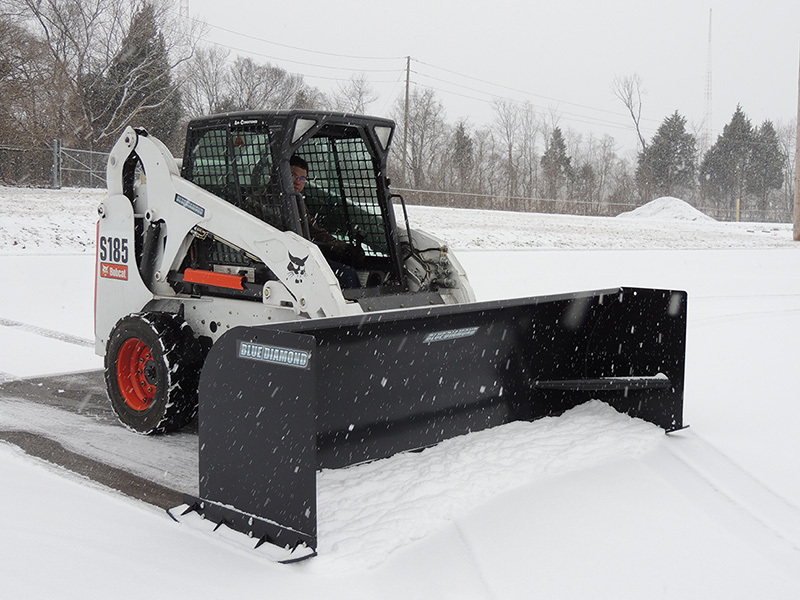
<point x="209" y="287"/>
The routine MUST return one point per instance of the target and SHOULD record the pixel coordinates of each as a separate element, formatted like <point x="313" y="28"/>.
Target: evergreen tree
<point x="726" y="164"/>
<point x="744" y="165"/>
<point x="584" y="188"/>
<point x="669" y="160"/>
<point x="138" y="89"/>
<point x="766" y="165"/>
<point x="462" y="155"/>
<point x="556" y="165"/>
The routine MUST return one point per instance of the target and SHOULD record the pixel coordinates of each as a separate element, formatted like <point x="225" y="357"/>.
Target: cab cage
<point x="244" y="159"/>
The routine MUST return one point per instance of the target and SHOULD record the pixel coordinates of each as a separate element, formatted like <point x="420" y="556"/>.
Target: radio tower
<point x="705" y="142"/>
<point x="182" y="71"/>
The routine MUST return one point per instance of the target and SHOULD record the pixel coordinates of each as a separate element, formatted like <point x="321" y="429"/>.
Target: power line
<point x="573" y="117"/>
<point x="527" y="93"/>
<point x="591" y="120"/>
<point x="296" y="62"/>
<point x="299" y="49"/>
<point x="568" y="117"/>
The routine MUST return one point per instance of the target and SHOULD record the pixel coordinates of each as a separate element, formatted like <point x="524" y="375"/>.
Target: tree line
<point x="81" y="70"/>
<point x="523" y="161"/>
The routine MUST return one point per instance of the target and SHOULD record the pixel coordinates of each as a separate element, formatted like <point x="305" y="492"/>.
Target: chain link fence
<point x="58" y="167"/>
<point x="515" y="204"/>
<point x="778" y="210"/>
<point x="53" y="167"/>
<point x="26" y="166"/>
<point x="78" y="168"/>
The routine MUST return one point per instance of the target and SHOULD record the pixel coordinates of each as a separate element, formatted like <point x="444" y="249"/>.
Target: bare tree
<point x="507" y="118"/>
<point x="787" y="138"/>
<point x="255" y="86"/>
<point x="605" y="155"/>
<point x="206" y="84"/>
<point x="355" y="95"/>
<point x="484" y="152"/>
<point x="311" y="98"/>
<point x="215" y="84"/>
<point x="84" y="40"/>
<point x="426" y="134"/>
<point x="629" y="90"/>
<point x="623" y="187"/>
<point x="30" y="98"/>
<point x="528" y="164"/>
<point x="550" y="121"/>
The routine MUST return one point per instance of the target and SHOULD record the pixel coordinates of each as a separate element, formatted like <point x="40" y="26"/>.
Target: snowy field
<point x="589" y="505"/>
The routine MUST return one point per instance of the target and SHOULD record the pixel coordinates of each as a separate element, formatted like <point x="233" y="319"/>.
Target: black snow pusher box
<point x="278" y="402"/>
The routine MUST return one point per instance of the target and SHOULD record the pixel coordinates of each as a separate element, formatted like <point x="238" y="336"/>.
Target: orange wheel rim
<point x="136" y="374"/>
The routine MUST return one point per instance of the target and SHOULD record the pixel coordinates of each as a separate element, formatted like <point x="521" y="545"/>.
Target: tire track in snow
<point x="48" y="333"/>
<point x="732" y="496"/>
<point x="121" y="480"/>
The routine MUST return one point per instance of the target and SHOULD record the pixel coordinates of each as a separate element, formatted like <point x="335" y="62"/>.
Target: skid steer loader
<point x="210" y="291"/>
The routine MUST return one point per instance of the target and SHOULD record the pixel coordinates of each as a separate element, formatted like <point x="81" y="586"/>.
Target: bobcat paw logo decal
<point x="297" y="268"/>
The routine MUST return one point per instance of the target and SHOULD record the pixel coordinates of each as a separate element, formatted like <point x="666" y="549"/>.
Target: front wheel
<point x="152" y="366"/>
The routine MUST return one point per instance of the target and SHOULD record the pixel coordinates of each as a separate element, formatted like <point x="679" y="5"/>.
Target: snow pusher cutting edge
<point x="280" y="401"/>
<point x="189" y="516"/>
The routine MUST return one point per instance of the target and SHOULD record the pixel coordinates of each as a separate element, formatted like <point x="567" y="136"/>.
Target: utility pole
<point x="405" y="119"/>
<point x="705" y="142"/>
<point x="797" y="167"/>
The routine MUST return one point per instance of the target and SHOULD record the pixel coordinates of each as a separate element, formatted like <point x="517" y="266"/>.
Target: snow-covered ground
<point x="589" y="505"/>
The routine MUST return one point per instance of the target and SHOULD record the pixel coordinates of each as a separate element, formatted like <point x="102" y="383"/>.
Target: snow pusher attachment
<point x="280" y="401"/>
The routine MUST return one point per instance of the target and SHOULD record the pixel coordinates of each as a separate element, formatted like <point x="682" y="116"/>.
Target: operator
<point x="341" y="256"/>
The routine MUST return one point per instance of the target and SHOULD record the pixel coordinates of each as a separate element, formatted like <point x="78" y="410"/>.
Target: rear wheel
<point x="152" y="366"/>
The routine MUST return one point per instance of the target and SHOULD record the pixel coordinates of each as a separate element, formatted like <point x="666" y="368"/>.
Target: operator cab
<point x="244" y="159"/>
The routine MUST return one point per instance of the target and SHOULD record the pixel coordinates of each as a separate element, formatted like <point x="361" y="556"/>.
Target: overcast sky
<point x="562" y="57"/>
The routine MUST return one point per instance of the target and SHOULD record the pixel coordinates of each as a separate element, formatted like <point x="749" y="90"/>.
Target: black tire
<point x="152" y="367"/>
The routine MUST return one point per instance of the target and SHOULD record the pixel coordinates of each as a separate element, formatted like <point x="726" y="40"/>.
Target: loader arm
<point x="184" y="211"/>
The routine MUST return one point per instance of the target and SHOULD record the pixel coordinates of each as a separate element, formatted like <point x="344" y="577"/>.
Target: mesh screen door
<point x="236" y="165"/>
<point x="342" y="191"/>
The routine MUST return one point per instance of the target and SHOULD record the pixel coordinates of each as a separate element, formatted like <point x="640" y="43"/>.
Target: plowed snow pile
<point x="667" y="208"/>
